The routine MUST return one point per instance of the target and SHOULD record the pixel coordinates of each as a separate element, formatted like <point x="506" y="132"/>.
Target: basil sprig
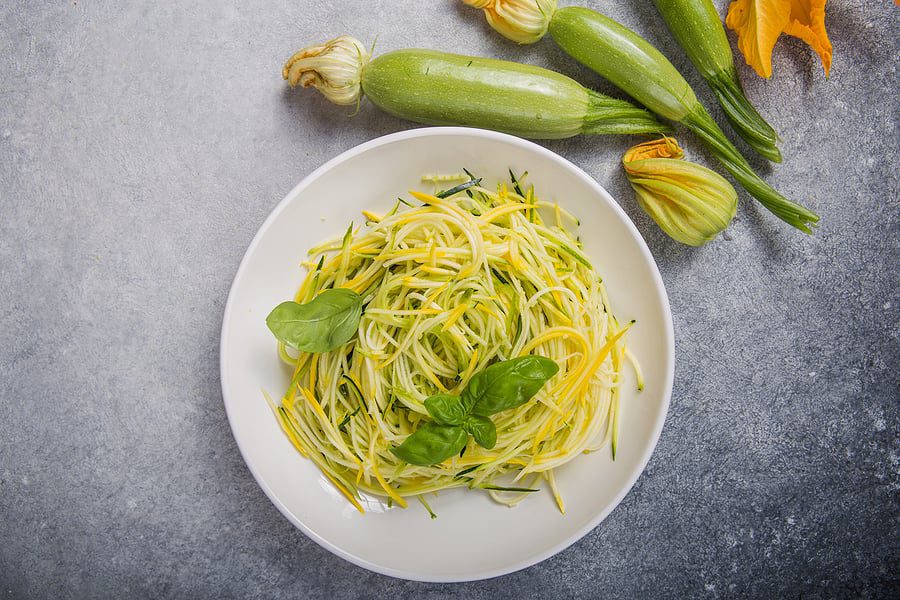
<point x="501" y="386"/>
<point x="323" y="324"/>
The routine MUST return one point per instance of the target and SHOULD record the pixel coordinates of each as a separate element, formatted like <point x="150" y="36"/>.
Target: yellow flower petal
<point x="807" y="22"/>
<point x="664" y="147"/>
<point x="522" y="21"/>
<point x="758" y="24"/>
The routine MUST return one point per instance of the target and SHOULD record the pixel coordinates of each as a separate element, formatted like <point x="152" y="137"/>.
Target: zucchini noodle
<point x="451" y="285"/>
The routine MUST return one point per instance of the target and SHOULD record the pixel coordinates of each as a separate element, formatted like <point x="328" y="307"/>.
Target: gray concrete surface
<point x="141" y="146"/>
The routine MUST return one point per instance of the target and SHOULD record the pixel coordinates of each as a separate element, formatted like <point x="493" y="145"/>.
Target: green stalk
<point x="633" y="64"/>
<point x="702" y="124"/>
<point x="607" y="115"/>
<point x="697" y="27"/>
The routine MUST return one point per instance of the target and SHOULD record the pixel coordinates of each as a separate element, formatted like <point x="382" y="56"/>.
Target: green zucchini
<point x="438" y="88"/>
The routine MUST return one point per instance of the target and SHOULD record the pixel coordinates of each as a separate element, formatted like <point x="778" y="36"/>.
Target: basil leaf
<point x="325" y="323"/>
<point x="446" y="409"/>
<point x="432" y="443"/>
<point x="482" y="429"/>
<point x="507" y="384"/>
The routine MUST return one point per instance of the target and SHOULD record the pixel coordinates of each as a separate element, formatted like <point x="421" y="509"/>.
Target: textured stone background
<point x="142" y="145"/>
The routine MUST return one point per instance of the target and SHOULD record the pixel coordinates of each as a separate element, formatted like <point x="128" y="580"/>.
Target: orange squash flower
<point x="759" y="24"/>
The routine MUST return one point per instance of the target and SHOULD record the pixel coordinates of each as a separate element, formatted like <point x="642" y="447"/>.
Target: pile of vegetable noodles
<point x="466" y="312"/>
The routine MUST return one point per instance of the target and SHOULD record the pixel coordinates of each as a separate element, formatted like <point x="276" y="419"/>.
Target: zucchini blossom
<point x="522" y="21"/>
<point x="334" y="68"/>
<point x="689" y="202"/>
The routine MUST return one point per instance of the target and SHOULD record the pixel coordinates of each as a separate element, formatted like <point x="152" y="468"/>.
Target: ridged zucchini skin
<point x="623" y="57"/>
<point x="699" y="31"/>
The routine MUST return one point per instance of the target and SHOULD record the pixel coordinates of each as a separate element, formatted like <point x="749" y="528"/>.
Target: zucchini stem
<point x="743" y="116"/>
<point x="609" y="115"/>
<point x="702" y="124"/>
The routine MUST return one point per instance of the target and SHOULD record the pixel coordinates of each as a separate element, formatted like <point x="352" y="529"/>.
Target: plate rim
<point x="668" y="338"/>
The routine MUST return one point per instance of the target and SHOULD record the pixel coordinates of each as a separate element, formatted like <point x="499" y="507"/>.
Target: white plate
<point x="473" y="537"/>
